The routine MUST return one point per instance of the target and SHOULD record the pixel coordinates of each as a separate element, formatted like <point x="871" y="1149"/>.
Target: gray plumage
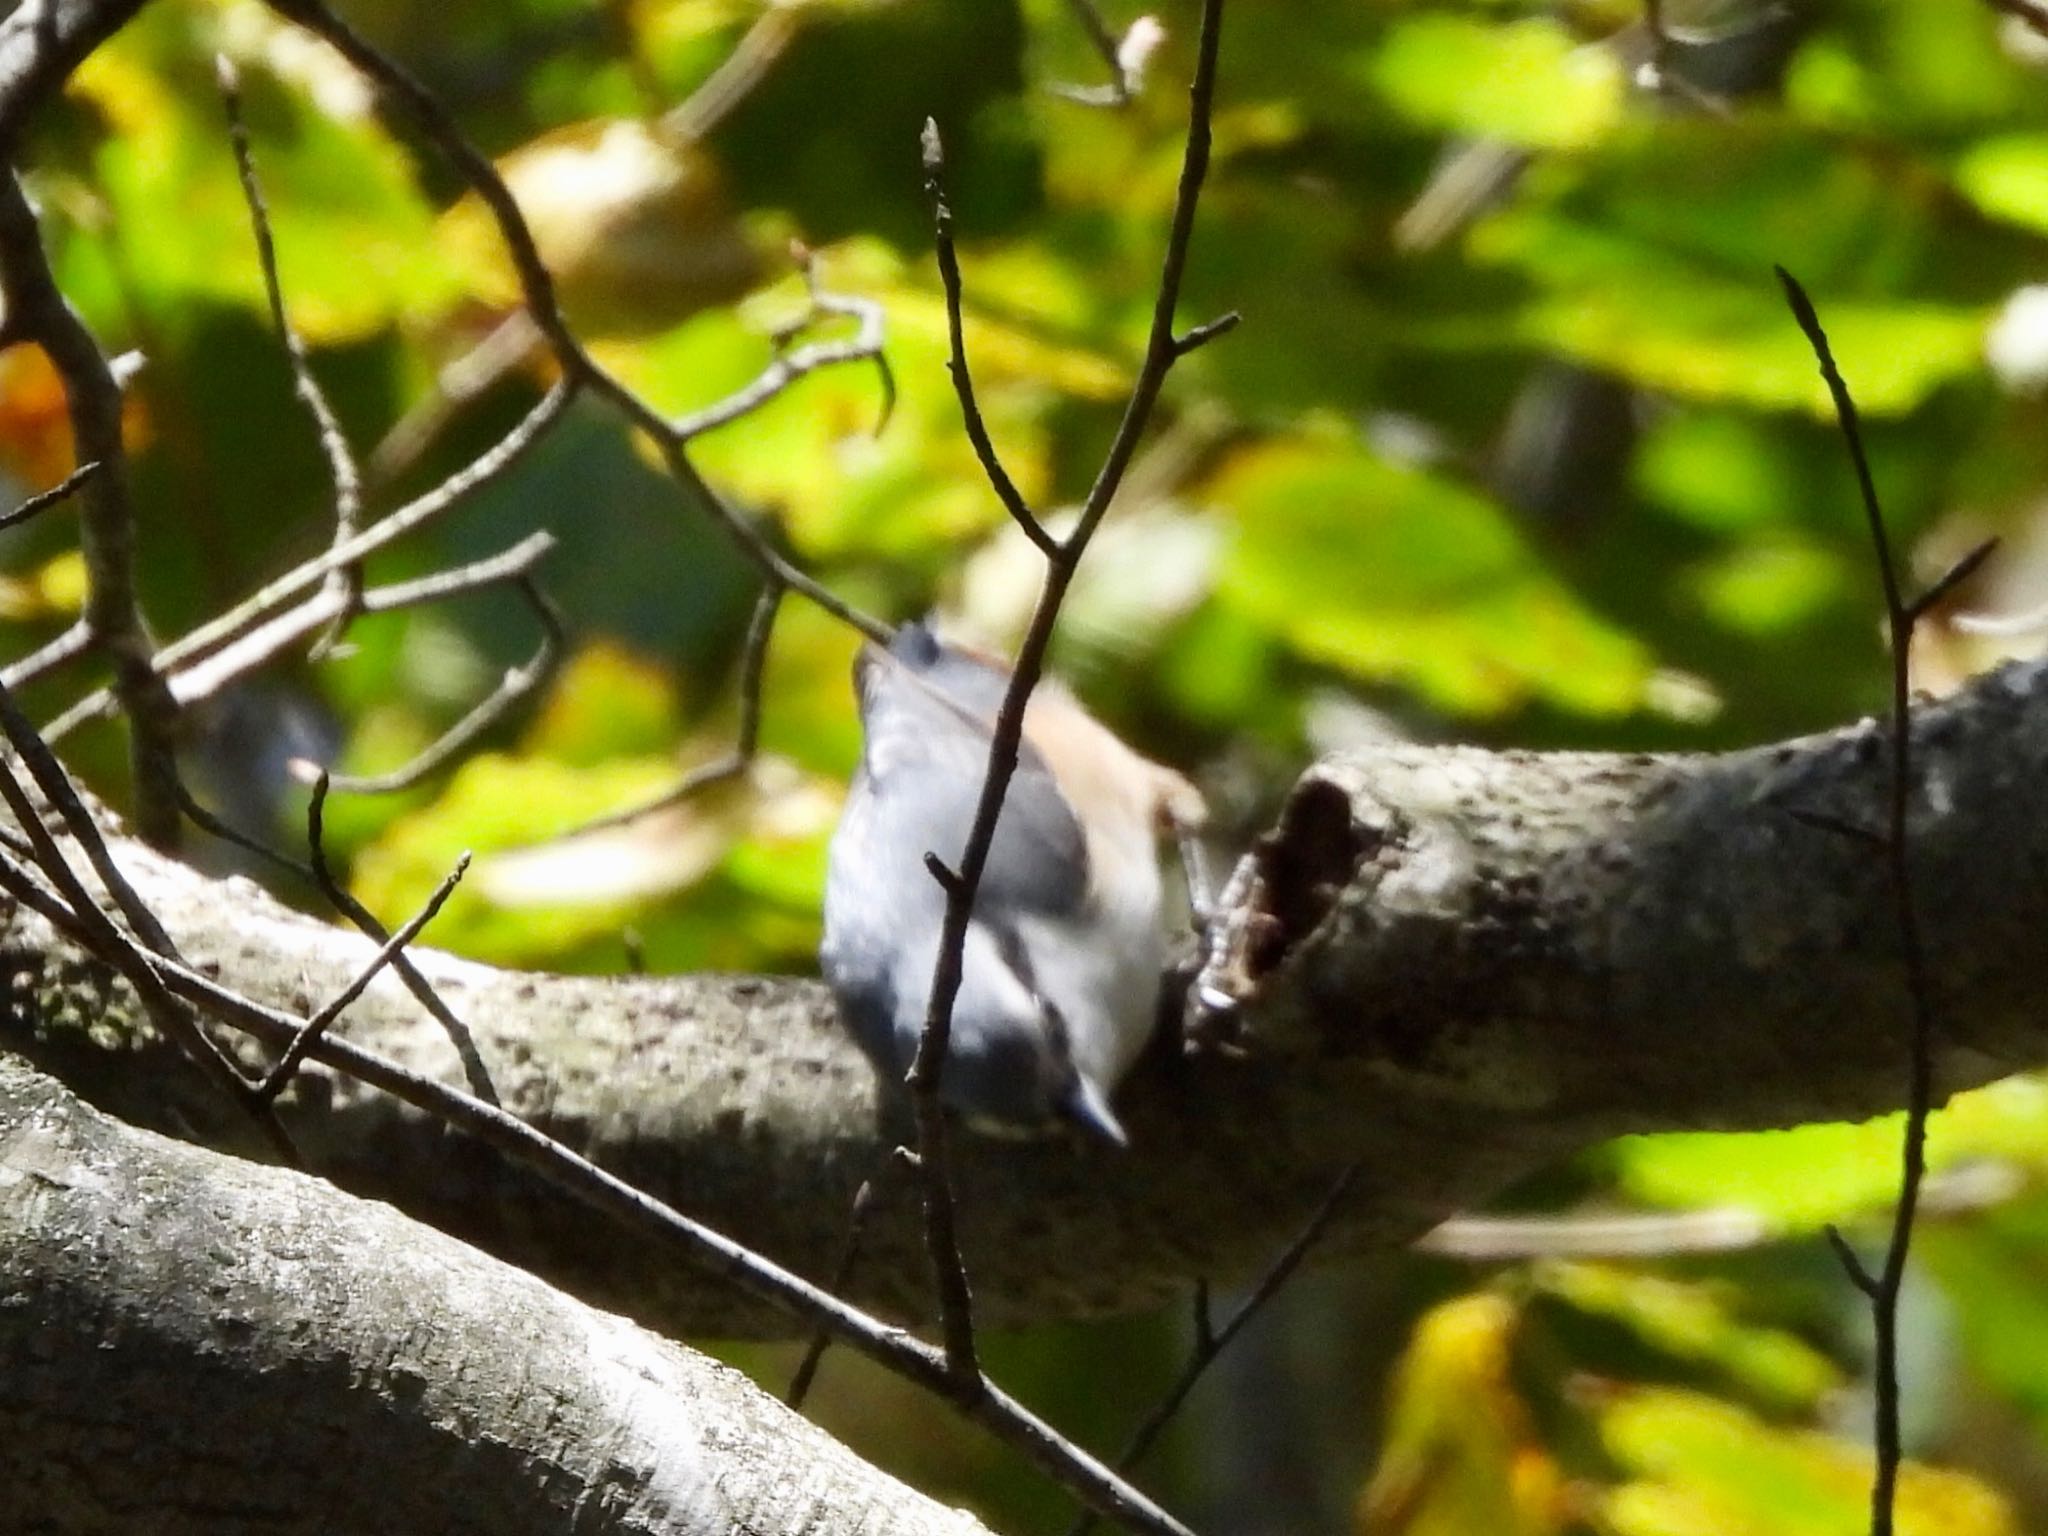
<point x="1060" y="971"/>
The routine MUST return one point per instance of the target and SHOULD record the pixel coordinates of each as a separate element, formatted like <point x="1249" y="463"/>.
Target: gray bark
<point x="194" y="1343"/>
<point x="41" y="42"/>
<point x="1458" y="965"/>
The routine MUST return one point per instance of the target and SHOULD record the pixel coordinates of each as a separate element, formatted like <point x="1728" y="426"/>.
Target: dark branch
<point x="1900" y="617"/>
<point x="1062" y="562"/>
<point x="963" y="378"/>
<point x="36" y="311"/>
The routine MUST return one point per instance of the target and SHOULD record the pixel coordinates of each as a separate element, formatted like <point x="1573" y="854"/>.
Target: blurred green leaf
<point x="1397" y="574"/>
<point x="1765" y="588"/>
<point x="1528" y="82"/>
<point x="352" y="228"/>
<point x="2008" y="178"/>
<point x="1671" y="325"/>
<point x="1991" y="1270"/>
<point x="1803" y="1179"/>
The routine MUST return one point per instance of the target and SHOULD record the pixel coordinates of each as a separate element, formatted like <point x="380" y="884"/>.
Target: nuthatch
<point x="1060" y="974"/>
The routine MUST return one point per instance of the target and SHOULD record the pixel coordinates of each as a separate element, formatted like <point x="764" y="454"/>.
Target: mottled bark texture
<point x="1458" y="965"/>
<point x="193" y="1343"/>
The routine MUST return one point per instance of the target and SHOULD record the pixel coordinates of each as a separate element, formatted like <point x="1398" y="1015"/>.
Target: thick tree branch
<point x="257" y="1321"/>
<point x="1457" y="965"/>
<point x="41" y="42"/>
<point x="36" y="311"/>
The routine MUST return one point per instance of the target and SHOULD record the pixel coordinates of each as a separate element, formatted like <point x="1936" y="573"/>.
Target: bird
<point x="1061" y="968"/>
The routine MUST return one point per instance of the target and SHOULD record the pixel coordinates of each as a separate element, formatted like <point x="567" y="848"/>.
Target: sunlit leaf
<point x="1399" y="575"/>
<point x="351" y="225"/>
<point x="2008" y="177"/>
<point x="1461" y="1452"/>
<point x="54" y="590"/>
<point x="1805" y="1178"/>
<point x="1704" y="1466"/>
<point x="1528" y="82"/>
<point x="35" y="423"/>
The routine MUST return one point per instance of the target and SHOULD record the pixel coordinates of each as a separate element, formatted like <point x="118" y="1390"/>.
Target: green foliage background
<point x="1555" y="471"/>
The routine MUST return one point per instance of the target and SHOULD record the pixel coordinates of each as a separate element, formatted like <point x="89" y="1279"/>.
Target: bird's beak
<point x="1086" y="1107"/>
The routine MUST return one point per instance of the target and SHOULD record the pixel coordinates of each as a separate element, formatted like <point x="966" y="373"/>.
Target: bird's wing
<point x="926" y="754"/>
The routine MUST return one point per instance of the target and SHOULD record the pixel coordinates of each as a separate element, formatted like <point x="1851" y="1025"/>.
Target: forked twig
<point x="1163" y="349"/>
<point x="537" y="286"/>
<point x="1211" y="1341"/>
<point x="1900" y="618"/>
<point x="263" y="604"/>
<point x="37" y="311"/>
<point x="201" y="680"/>
<point x="513" y="687"/>
<point x="789" y="365"/>
<point x="842" y="1273"/>
<point x="339" y="897"/>
<point x="316" y="1026"/>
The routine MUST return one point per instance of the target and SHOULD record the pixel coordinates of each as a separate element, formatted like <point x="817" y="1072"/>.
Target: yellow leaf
<point x="1462" y="1453"/>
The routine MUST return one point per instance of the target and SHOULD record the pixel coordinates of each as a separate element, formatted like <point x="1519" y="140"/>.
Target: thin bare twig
<point x="788" y="366"/>
<point x="42" y="501"/>
<point x="58" y="652"/>
<point x="37" y="311"/>
<point x="1900" y="617"/>
<point x="347" y="581"/>
<point x="516" y="685"/>
<point x="1162" y="350"/>
<point x="214" y="826"/>
<point x="295" y="583"/>
<point x="1211" y="1341"/>
<point x="736" y="76"/>
<point x="1859" y="1275"/>
<point x="537" y="286"/>
<point x="367" y="922"/>
<point x="1486" y="1239"/>
<point x="1945" y="585"/>
<point x="842" y="1272"/>
<point x="963" y="379"/>
<point x="262" y="645"/>
<point x="746" y="738"/>
<point x="461" y="380"/>
<point x="316" y="1026"/>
